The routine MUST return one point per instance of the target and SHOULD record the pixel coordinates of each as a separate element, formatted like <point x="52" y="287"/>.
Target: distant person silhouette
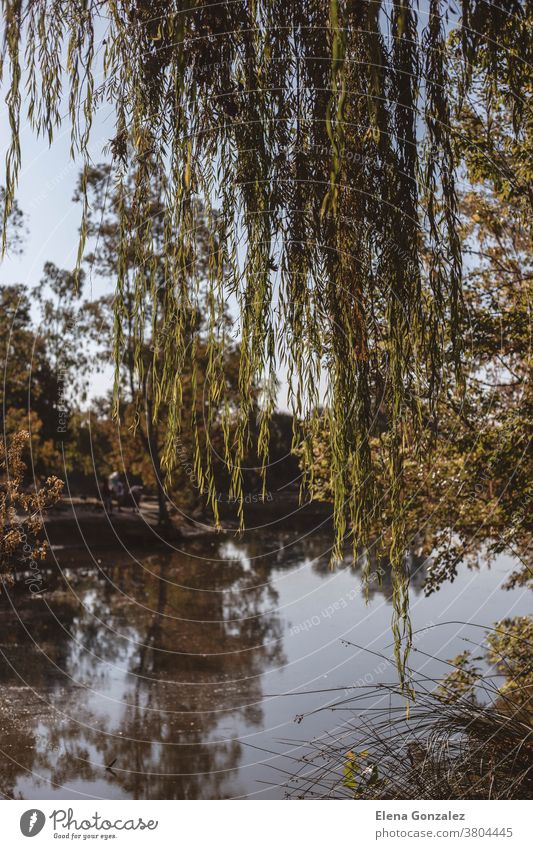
<point x="119" y="494"/>
<point x="107" y="497"/>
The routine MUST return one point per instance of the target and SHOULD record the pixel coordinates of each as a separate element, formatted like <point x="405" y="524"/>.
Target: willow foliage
<point x="318" y="136"/>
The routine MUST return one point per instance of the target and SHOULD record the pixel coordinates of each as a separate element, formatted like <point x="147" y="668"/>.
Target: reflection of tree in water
<point x="316" y="550"/>
<point x="170" y="652"/>
<point x="158" y="666"/>
<point x="34" y="650"/>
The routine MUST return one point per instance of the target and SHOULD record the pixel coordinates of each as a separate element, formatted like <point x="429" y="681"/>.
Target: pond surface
<point x="184" y="670"/>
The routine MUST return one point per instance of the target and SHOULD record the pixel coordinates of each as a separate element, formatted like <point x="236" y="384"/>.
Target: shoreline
<point x="77" y="523"/>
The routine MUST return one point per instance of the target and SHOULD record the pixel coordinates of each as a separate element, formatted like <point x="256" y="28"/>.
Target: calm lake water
<point x="185" y="670"/>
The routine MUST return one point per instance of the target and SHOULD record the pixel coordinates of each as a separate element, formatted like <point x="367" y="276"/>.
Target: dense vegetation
<point x="327" y="138"/>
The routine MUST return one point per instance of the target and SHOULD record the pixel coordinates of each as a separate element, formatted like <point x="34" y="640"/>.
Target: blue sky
<point x="47" y="181"/>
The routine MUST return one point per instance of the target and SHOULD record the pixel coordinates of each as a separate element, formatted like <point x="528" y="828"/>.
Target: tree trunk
<point x="153" y="448"/>
<point x="164" y="518"/>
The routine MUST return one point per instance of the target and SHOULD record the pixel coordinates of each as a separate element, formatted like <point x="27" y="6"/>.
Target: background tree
<point x="48" y="354"/>
<point x="147" y="435"/>
<point x="29" y="390"/>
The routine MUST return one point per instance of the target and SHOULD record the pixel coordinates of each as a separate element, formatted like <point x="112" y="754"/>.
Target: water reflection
<point x="156" y="677"/>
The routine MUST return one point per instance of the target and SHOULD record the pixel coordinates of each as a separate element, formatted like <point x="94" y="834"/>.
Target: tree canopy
<point x="321" y="140"/>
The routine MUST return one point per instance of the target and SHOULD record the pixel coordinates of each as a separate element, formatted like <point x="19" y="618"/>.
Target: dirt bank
<point x="83" y="522"/>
